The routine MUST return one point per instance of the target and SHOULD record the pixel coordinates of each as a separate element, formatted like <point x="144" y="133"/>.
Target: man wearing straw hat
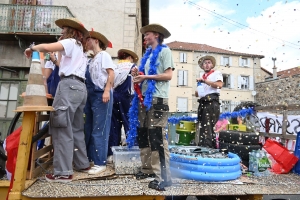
<point x="122" y="97"/>
<point x="148" y="118"/>
<point x="66" y="122"/>
<point x="209" y="106"/>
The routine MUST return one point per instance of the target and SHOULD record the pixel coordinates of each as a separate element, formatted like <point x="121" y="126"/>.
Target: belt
<point x="73" y="77"/>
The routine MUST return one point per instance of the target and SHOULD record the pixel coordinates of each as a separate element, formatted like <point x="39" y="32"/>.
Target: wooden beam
<point x="287" y="137"/>
<point x="42" y="151"/>
<point x="23" y="155"/>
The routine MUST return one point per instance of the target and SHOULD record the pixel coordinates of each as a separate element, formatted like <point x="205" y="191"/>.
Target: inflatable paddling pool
<point x="204" y="164"/>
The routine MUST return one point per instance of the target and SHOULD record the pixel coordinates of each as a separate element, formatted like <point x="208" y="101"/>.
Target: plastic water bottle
<point x="200" y="89"/>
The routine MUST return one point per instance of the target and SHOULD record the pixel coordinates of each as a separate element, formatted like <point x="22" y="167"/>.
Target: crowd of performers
<point x="114" y="96"/>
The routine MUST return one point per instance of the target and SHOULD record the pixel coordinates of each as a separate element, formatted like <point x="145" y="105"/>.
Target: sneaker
<point x="109" y="159"/>
<point x="85" y="170"/>
<point x="140" y="175"/>
<point x="96" y="169"/>
<point x="159" y="186"/>
<point x="59" y="178"/>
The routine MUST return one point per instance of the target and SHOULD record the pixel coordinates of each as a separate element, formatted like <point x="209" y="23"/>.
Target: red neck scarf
<point x="207" y="74"/>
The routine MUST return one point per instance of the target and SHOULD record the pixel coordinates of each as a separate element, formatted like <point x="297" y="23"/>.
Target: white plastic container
<point x="126" y="161"/>
<point x="200" y="89"/>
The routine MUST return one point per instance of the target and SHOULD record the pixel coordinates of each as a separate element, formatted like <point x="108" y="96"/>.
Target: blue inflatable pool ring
<point x="205" y="168"/>
<point x="232" y="159"/>
<point x="203" y="176"/>
<point x="204" y="164"/>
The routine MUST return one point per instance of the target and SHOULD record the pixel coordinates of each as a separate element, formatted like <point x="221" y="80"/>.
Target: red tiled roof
<point x="288" y="72"/>
<point x="176" y="45"/>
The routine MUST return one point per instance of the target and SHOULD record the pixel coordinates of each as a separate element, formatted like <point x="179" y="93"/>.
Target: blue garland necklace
<point x="133" y="111"/>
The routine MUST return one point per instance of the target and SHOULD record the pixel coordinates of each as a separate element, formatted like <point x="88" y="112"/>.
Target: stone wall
<point x="278" y="91"/>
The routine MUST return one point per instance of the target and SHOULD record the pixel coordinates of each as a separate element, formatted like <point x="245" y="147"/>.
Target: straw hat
<point x="211" y="58"/>
<point x="156" y="28"/>
<point x="134" y="55"/>
<point x="73" y="23"/>
<point x="99" y="36"/>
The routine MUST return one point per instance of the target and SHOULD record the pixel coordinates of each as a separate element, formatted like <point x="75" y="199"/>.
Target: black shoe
<point x="140" y="175"/>
<point x="160" y="186"/>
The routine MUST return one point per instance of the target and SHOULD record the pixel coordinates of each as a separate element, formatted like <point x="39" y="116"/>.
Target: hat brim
<point x="134" y="55"/>
<point x="156" y="28"/>
<point x="211" y="58"/>
<point x="73" y="24"/>
<point x="98" y="36"/>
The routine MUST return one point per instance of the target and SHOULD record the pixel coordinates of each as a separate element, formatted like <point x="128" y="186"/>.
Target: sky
<point x="265" y="27"/>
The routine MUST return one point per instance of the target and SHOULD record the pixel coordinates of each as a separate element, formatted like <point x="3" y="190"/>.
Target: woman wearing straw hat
<point x="149" y="118"/>
<point x="122" y="97"/>
<point x="66" y="122"/>
<point x="209" y="106"/>
<point x="99" y="82"/>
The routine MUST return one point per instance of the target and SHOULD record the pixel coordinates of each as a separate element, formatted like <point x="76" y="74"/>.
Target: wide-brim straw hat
<point x="134" y="55"/>
<point x="156" y="28"/>
<point x="202" y="59"/>
<point x="99" y="36"/>
<point x="73" y="23"/>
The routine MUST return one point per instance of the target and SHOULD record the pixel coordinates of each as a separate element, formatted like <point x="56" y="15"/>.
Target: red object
<point x="109" y="44"/>
<point x="12" y="145"/>
<point x="137" y="89"/>
<point x="204" y="76"/>
<point x="281" y="155"/>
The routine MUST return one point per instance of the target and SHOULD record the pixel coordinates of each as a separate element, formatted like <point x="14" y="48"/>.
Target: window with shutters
<point x="244" y="82"/>
<point x="226" y="61"/>
<point x="226" y="80"/>
<point x="182" y="77"/>
<point x="182" y="104"/>
<point x="182" y="56"/>
<point x="244" y="62"/>
<point x="8" y="98"/>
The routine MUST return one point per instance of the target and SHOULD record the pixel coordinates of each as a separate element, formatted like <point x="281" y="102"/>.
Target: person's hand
<point x="60" y="38"/>
<point x="134" y="71"/>
<point x="106" y="96"/>
<point x="139" y="78"/>
<point x="52" y="56"/>
<point x="28" y="53"/>
<point x="200" y="80"/>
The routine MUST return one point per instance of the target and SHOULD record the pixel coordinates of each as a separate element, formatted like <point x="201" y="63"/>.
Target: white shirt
<point x="98" y="66"/>
<point x="73" y="61"/>
<point x="122" y="71"/>
<point x="213" y="77"/>
<point x="49" y="64"/>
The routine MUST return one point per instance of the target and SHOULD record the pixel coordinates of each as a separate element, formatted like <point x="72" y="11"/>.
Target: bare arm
<point x="109" y="85"/>
<point x="166" y="76"/>
<point x="217" y="84"/>
<point x="44" y="48"/>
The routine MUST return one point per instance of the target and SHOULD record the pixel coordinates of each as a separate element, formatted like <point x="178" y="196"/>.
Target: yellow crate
<point x="237" y="127"/>
<point x="186" y="125"/>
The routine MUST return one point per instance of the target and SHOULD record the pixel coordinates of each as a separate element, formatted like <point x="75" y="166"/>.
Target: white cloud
<point x="280" y="21"/>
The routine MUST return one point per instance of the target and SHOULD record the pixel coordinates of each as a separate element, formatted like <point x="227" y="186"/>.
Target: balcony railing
<point x="31" y="19"/>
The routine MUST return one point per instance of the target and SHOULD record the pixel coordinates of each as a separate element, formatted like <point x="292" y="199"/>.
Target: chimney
<point x="274" y="69"/>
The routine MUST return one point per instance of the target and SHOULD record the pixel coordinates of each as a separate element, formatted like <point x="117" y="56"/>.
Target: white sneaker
<point x="96" y="169"/>
<point x="109" y="159"/>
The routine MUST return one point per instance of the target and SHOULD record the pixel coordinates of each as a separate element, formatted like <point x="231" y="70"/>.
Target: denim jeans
<point x="97" y="125"/>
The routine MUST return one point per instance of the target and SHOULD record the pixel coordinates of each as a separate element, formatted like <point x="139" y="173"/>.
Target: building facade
<point x="239" y="73"/>
<point x="26" y="21"/>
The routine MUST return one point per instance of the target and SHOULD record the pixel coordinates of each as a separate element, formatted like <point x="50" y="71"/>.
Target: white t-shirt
<point x="73" y="61"/>
<point x="98" y="66"/>
<point x="213" y="77"/>
<point x="49" y="64"/>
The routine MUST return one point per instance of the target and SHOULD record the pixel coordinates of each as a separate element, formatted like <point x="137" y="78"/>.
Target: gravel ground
<point x="85" y="186"/>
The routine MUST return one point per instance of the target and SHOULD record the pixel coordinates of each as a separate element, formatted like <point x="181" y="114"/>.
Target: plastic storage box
<point x="126" y="161"/>
<point x="236" y="127"/>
